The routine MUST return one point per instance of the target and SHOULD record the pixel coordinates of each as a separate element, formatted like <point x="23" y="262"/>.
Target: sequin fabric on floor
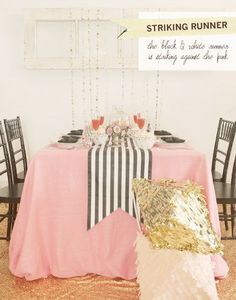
<point x="91" y="287"/>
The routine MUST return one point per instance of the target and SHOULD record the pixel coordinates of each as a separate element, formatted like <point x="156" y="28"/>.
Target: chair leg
<point x="9" y="222"/>
<point x="225" y="216"/>
<point x="14" y="213"/>
<point x="232" y="218"/>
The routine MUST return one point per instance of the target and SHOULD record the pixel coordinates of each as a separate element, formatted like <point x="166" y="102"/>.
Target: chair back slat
<point x="19" y="160"/>
<point x="225" y="132"/>
<point x="14" y="129"/>
<point x="14" y="133"/>
<point x="17" y="151"/>
<point x="3" y="172"/>
<point x="220" y="161"/>
<point x="221" y="152"/>
<point x="2" y="160"/>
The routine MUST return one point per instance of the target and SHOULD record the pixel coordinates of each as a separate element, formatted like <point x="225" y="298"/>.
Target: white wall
<point x="190" y="102"/>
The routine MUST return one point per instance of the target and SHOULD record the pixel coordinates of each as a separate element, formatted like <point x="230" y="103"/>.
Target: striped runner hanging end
<point x="110" y="174"/>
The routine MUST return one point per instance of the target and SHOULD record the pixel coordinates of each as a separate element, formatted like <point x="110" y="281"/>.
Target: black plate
<point x="172" y="139"/>
<point x="71" y="136"/>
<point x="76" y="132"/>
<point x="161" y="132"/>
<point x="69" y="140"/>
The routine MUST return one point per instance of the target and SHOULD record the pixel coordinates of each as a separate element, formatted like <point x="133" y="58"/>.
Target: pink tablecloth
<point x="50" y="234"/>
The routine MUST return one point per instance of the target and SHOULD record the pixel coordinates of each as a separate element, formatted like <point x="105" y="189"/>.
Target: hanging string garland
<point x="97" y="62"/>
<point x="157" y="122"/>
<point x="83" y="71"/>
<point x="71" y="69"/>
<point x="122" y="57"/>
<point x="106" y="89"/>
<point x="122" y="62"/>
<point x="89" y="66"/>
<point x="146" y="98"/>
<point x="118" y="28"/>
<point x="132" y="91"/>
<point x="132" y="78"/>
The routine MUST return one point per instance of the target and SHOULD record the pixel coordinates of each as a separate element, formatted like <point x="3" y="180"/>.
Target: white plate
<point x="165" y="145"/>
<point x="66" y="146"/>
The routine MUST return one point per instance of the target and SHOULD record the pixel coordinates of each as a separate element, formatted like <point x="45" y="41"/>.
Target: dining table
<point x="50" y="234"/>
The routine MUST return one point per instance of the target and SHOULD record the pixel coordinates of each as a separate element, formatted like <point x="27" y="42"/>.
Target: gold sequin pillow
<point x="175" y="216"/>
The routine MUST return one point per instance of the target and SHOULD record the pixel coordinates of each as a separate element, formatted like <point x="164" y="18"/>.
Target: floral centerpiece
<point x="117" y="131"/>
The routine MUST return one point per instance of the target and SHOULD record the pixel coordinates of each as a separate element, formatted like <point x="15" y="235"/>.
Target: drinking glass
<point x="101" y="120"/>
<point x="135" y="118"/>
<point x="140" y="122"/>
<point x="95" y="123"/>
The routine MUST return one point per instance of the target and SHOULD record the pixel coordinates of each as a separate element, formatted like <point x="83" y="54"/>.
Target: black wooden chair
<point x="222" y="149"/>
<point x="16" y="147"/>
<point x="226" y="195"/>
<point x="10" y="195"/>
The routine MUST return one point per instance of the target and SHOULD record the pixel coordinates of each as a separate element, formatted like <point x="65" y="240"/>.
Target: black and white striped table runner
<point x="110" y="174"/>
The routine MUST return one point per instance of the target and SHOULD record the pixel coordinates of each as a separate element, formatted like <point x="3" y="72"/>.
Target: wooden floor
<point x="92" y="287"/>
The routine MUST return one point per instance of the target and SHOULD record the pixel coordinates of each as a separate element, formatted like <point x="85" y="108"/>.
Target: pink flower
<point x="116" y="129"/>
<point x="109" y="131"/>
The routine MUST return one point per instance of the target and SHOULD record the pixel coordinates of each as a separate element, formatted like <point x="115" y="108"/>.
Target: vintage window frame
<point x="76" y="15"/>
